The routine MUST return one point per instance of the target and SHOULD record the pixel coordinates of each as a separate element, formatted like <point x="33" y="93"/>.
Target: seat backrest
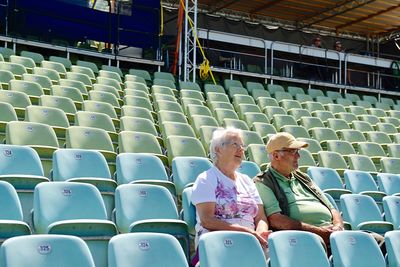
<point x="88" y="138"/>
<point x="392" y="244"/>
<point x="45" y="251"/>
<point x="145" y="250"/>
<point x="359" y="181"/>
<point x="230" y="248"/>
<point x="361" y="163"/>
<point x="325" y="178"/>
<point x="331" y="159"/>
<point x="390" y="165"/>
<point x="138" y="125"/>
<point x="249" y="168"/>
<point x="389" y="183"/>
<point x="30" y="133"/>
<point x="296" y="248"/>
<point x="186" y="169"/>
<point x="139" y="166"/>
<point x="341" y="147"/>
<point x="95" y="120"/>
<point x="371" y="149"/>
<point x="15" y="98"/>
<point x="7" y="112"/>
<point x="76" y="163"/>
<point x="359" y="208"/>
<point x="9" y="201"/>
<point x="391" y="207"/>
<point x="348" y="246"/>
<point x="184" y="146"/>
<point x="134" y="202"/>
<point x="138" y="142"/>
<point x="15" y="159"/>
<point x="54" y="202"/>
<point x="61" y="102"/>
<point x="74" y="83"/>
<point x="101" y="107"/>
<point x="47" y="115"/>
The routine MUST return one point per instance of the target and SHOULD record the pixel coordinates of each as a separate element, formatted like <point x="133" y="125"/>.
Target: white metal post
<point x="190" y="48"/>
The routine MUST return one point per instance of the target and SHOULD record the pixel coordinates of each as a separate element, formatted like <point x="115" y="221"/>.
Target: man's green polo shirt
<point x="303" y="205"/>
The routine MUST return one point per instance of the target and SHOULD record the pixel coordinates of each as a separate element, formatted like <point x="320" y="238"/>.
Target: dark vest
<point x="268" y="179"/>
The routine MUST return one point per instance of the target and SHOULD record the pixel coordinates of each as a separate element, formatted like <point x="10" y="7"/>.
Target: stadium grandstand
<point x="107" y="109"/>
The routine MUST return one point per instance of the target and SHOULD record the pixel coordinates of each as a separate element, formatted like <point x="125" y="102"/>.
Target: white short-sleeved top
<point x="236" y="201"/>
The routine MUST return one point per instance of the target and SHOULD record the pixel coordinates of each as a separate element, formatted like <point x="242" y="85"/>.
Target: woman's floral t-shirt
<point x="236" y="201"/>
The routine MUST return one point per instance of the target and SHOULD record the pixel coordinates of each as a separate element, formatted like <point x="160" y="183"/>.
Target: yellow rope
<point x="162" y="20"/>
<point x="205" y="69"/>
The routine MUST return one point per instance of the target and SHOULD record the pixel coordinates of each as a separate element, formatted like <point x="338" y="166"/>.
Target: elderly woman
<point x="224" y="198"/>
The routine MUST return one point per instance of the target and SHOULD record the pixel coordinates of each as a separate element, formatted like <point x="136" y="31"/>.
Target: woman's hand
<point x="262" y="237"/>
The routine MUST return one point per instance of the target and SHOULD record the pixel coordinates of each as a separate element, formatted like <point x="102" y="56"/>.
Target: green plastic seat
<point x="232" y="83"/>
<point x="224" y="105"/>
<point x="192" y="94"/>
<point x="217" y="97"/>
<point x="362" y="126"/>
<point x="334" y="95"/>
<point x="242" y="99"/>
<point x="349" y="117"/>
<point x="87" y="64"/>
<point x="164" y="82"/>
<point x="362" y="163"/>
<point x="393" y="150"/>
<point x="260" y="93"/>
<point x="137" y="101"/>
<point x="171" y="116"/>
<point x="252" y="117"/>
<point x="273" y="88"/>
<point x="15" y="251"/>
<point x="306" y="160"/>
<point x="263" y="129"/>
<point x="392" y="120"/>
<point x="106" y="97"/>
<point x="221" y="114"/>
<point x="198" y="110"/>
<point x="77" y="84"/>
<point x="65" y="61"/>
<point x="335" y="108"/>
<point x="344" y="102"/>
<point x="6" y="53"/>
<point x="16" y="69"/>
<point x="71" y="92"/>
<point x="101" y="107"/>
<point x="36" y="57"/>
<point x="141" y="73"/>
<point x="282" y="120"/>
<point x="257" y="153"/>
<point x="231" y="248"/>
<point x="311" y="122"/>
<point x="289" y="104"/>
<point x="337" y="124"/>
<point x="80" y="137"/>
<point x="165" y="250"/>
<point x="132" y="82"/>
<point x="333" y="160"/>
<point x="325" y="100"/>
<point x="377" y="112"/>
<point x="352" y="97"/>
<point x="80" y="77"/>
<point x="170" y="128"/>
<point x="280" y="96"/>
<point x="60" y="102"/>
<point x="32" y="89"/>
<point x="164" y="75"/>
<point x="109" y="81"/>
<point x="27" y="62"/>
<point x="373" y="150"/>
<point x="296" y="131"/>
<point x="112" y="69"/>
<point x="7" y="113"/>
<point x="352" y="136"/>
<point x="213" y="88"/>
<point x="264" y="102"/>
<point x="140" y="112"/>
<point x="250" y="137"/>
<point x="50" y="73"/>
<point x="386" y="127"/>
<point x="199" y="120"/>
<point x="298" y="113"/>
<point x="364" y="104"/>
<point x="323" y="135"/>
<point x="356" y="110"/>
<point x="378" y="137"/>
<point x="18" y="100"/>
<point x="251" y="86"/>
<point x="312" y="106"/>
<point x="163" y="97"/>
<point x="235" y="123"/>
<point x="383" y="106"/>
<point x="189" y="86"/>
<point x="57" y="66"/>
<point x="303" y="98"/>
<point x="314" y="93"/>
<point x="372" y="119"/>
<point x="294" y="90"/>
<point x="54" y="117"/>
<point x="183" y="146"/>
<point x="44" y="81"/>
<point x="5" y="77"/>
<point x="390" y="165"/>
<point x="344" y="148"/>
<point x="130" y="92"/>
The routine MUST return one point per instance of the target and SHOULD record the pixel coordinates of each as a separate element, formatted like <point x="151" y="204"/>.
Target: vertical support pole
<point x="190" y="45"/>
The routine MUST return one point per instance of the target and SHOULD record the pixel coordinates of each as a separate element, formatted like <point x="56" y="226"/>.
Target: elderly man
<point x="291" y="200"/>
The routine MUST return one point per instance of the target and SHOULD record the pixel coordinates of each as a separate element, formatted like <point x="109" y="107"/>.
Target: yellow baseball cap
<point x="284" y="140"/>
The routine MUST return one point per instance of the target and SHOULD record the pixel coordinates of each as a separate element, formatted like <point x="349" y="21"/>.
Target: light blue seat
<point x="45" y="251"/>
<point x="389" y="183"/>
<point x="142" y="168"/>
<point x="75" y="165"/>
<point x="249" y="168"/>
<point x="149" y="208"/>
<point x="329" y="181"/>
<point x="296" y="248"/>
<point x="392" y="243"/>
<point x="391" y="207"/>
<point x="355" y="249"/>
<point x="145" y="250"/>
<point x="74" y="209"/>
<point x="360" y="182"/>
<point x="21" y="167"/>
<point x="186" y="169"/>
<point x="230" y="248"/>
<point x="363" y="213"/>
<point x="11" y="217"/>
<point x="188" y="212"/>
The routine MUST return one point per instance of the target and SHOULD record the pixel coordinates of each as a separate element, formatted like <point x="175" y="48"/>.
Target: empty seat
<point x="18" y="100"/>
<point x="344" y="148"/>
<point x="183" y="146"/>
<point x="149" y="208"/>
<point x="362" y="163"/>
<point x="60" y="102"/>
<point x="145" y="250"/>
<point x="7" y="113"/>
<point x="283" y="120"/>
<point x="348" y="246"/>
<point x="249" y="168"/>
<point x="392" y="247"/>
<point x="332" y="160"/>
<point x="74" y="165"/>
<point x="363" y="213"/>
<point x="82" y="214"/>
<point x="389" y="183"/>
<point x="45" y="251"/>
<point x="258" y="154"/>
<point x="221" y="248"/>
<point x="296" y="248"/>
<point x="390" y="165"/>
<point x="391" y="207"/>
